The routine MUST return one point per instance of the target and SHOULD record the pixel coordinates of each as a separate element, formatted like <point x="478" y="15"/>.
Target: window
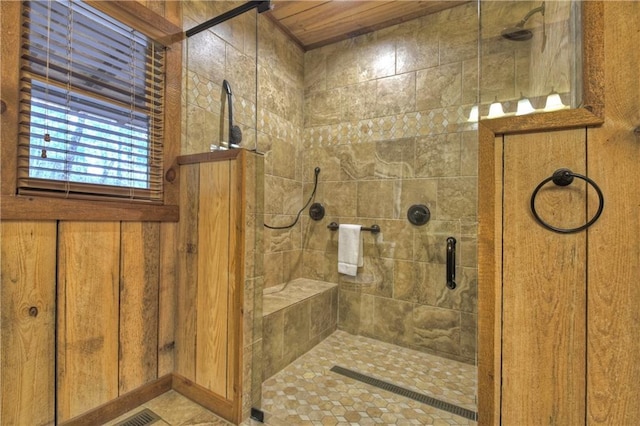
<point x="91" y="116"/>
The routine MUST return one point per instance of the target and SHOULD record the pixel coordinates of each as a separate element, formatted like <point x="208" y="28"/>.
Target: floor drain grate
<point x="408" y="393"/>
<point x="143" y="418"/>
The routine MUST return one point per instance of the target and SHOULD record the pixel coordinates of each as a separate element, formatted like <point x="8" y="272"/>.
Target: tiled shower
<point x="385" y="119"/>
<point x="385" y="116"/>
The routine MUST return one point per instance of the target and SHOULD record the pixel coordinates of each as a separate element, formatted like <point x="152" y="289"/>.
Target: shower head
<point x="226" y="86"/>
<point x="519" y="32"/>
<point x="516" y="34"/>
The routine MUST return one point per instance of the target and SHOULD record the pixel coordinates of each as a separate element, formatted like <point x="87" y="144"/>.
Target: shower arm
<point x="530" y="14"/>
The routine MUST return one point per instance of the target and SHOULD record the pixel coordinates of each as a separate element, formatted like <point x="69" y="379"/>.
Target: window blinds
<point x="92" y="95"/>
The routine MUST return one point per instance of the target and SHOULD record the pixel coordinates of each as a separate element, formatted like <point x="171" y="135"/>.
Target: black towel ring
<point x="564" y="177"/>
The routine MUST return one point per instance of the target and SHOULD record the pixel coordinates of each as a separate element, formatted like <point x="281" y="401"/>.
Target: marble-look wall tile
<point x="368" y="315"/>
<point x="342" y="64"/>
<point x="394" y="159"/>
<point x="436" y="329"/>
<point x="431" y="239"/>
<point x="205" y="55"/>
<point x="313" y="265"/>
<point x="501" y="85"/>
<point x="458" y="42"/>
<point x="241" y="73"/>
<point x="291" y="265"/>
<point x="358" y="100"/>
<point x="468" y="335"/>
<point x="273" y="343"/>
<point x="315" y="71"/>
<point x="457" y="198"/>
<point x="394" y="321"/>
<point x="323" y="108"/>
<point x="438" y="155"/>
<point x="395" y="240"/>
<point x="395" y="94"/>
<point x="340" y="198"/>
<point x="439" y="87"/>
<point x="349" y="308"/>
<point x="376" y="56"/>
<point x="296" y="329"/>
<point x="418" y="191"/>
<point x="417" y="49"/>
<point x="273" y="273"/>
<point x="469" y="154"/>
<point x="357" y="161"/>
<point x="320" y="313"/>
<point x="406" y="282"/>
<point x="377" y="199"/>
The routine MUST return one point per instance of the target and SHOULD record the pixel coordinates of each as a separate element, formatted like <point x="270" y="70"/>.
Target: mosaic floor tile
<point x="307" y="393"/>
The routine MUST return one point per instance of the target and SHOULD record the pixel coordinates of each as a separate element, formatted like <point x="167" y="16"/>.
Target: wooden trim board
<point x="124" y="403"/>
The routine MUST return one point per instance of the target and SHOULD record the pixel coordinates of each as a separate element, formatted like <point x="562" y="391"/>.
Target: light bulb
<point x="524" y="106"/>
<point x="495" y="109"/>
<point x="473" y="114"/>
<point x="554" y="102"/>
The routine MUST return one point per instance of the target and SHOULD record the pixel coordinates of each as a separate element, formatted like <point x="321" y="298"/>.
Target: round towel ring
<point x="564" y="177"/>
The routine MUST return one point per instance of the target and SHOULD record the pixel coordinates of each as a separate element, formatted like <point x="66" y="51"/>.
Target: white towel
<point x="349" y="249"/>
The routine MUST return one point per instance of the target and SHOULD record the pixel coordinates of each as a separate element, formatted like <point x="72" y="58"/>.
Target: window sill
<point x="44" y="208"/>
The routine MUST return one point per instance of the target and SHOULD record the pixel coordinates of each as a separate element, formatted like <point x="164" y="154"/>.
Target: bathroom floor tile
<point x="306" y="392"/>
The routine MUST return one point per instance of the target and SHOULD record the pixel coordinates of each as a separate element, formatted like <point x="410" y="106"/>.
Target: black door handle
<point x="451" y="263"/>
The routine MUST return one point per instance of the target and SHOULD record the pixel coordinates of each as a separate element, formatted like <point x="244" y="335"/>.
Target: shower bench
<point x="296" y="316"/>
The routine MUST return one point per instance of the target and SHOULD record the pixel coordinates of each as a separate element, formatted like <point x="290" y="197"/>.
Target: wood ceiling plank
<point x="285" y="9"/>
<point x="317" y="23"/>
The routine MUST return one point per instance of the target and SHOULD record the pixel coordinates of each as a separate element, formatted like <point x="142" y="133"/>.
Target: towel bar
<point x="374" y="228"/>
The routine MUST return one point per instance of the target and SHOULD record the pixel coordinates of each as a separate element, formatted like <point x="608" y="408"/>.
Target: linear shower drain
<point x="143" y="418"/>
<point x="408" y="393"/>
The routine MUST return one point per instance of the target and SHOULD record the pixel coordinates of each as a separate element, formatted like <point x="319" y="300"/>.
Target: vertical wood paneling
<point x="213" y="277"/>
<point x="614" y="241"/>
<point x="544" y="283"/>
<point x="88" y="293"/>
<point x="489" y="274"/>
<point x="236" y="263"/>
<point x="139" y="259"/>
<point x="27" y="306"/>
<point x="186" y="294"/>
<point x="167" y="298"/>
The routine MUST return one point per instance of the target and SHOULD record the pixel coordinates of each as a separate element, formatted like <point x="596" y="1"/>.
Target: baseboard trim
<point x="145" y="393"/>
<point x="122" y="404"/>
<point x="220" y="406"/>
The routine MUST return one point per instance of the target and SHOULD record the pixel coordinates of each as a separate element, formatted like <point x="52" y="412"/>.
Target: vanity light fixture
<point x="495" y="109"/>
<point x="554" y="102"/>
<point x="524" y="106"/>
<point x="473" y="114"/>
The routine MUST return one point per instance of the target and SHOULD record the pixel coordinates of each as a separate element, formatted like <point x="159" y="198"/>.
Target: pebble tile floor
<point x="307" y="393"/>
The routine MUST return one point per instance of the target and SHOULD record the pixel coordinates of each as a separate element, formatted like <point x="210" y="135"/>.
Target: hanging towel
<point x="349" y="249"/>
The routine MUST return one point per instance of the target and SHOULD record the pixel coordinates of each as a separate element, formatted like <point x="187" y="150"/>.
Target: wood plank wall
<point x="209" y="293"/>
<point x="613" y="390"/>
<point x="113" y="331"/>
<point x="28" y="294"/>
<point x="544" y="275"/>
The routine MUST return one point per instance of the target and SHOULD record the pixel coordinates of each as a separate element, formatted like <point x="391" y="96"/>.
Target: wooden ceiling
<point x="317" y="23"/>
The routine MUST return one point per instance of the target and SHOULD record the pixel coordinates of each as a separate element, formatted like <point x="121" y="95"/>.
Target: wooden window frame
<point x="31" y="207"/>
<point x="490" y="203"/>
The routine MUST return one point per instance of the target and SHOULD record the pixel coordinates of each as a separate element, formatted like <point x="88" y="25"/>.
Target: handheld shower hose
<point x="235" y="134"/>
